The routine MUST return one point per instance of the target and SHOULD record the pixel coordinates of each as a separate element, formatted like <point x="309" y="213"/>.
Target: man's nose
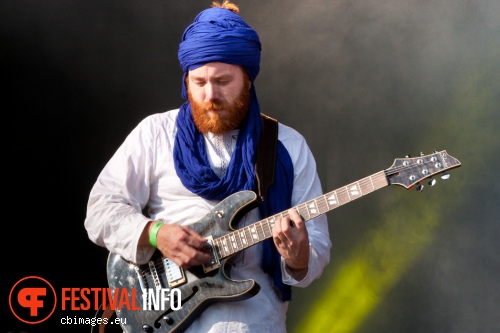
<point x="211" y="92"/>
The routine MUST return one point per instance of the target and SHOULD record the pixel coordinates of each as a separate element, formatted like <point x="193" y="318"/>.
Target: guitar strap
<point x="264" y="171"/>
<point x="265" y="163"/>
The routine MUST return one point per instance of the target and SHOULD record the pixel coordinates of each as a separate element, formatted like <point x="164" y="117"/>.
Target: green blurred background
<point x="364" y="81"/>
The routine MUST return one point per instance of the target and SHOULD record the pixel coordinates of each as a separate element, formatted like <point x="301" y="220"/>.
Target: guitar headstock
<point x="409" y="172"/>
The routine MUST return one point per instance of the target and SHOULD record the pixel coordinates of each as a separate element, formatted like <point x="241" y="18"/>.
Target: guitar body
<point x="200" y="288"/>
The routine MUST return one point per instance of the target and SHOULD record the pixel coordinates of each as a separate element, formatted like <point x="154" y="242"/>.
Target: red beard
<point x="218" y="122"/>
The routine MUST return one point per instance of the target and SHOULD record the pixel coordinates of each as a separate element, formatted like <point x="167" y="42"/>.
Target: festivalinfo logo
<point x="33" y="299"/>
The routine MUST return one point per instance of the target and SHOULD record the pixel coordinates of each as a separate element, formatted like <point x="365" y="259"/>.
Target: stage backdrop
<point x="365" y="82"/>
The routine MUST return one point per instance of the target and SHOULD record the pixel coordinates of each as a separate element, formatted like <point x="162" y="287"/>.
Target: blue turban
<point x="220" y="35"/>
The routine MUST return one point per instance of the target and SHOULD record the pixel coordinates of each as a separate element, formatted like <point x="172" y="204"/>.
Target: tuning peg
<point x="432" y="182"/>
<point x="445" y="176"/>
<point x="407" y="156"/>
<point x="422" y="154"/>
<point x="420" y="188"/>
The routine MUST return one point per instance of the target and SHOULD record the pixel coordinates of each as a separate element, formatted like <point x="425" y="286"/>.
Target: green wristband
<point x="154" y="233"/>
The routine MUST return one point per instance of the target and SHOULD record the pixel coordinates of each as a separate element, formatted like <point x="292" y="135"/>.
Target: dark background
<point x="364" y="81"/>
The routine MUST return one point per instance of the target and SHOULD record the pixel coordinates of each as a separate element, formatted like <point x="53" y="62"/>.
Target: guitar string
<point x="322" y="207"/>
<point x="239" y="239"/>
<point x="321" y="203"/>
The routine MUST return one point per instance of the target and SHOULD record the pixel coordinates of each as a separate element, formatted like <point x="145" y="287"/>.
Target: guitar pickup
<point x="175" y="274"/>
<point x="214" y="262"/>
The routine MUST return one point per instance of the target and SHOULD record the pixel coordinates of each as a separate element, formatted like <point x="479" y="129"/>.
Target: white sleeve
<point x="307" y="186"/>
<point x="114" y="210"/>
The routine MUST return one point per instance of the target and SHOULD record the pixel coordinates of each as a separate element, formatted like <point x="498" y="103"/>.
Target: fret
<point x="248" y="231"/>
<point x="234" y="241"/>
<point x="235" y="237"/>
<point x="265" y="228"/>
<point x="261" y="230"/>
<point x="332" y="199"/>
<point x="360" y="189"/>
<point x="326" y="204"/>
<point x="302" y="210"/>
<point x="222" y="246"/>
<point x="217" y="248"/>
<point x="371" y="181"/>
<point x="305" y="209"/>
<point x="238" y="239"/>
<point x="313" y="209"/>
<point x="348" y="193"/>
<point x="380" y="180"/>
<point x="269" y="228"/>
<point x="342" y="194"/>
<point x="272" y="221"/>
<point x="258" y="228"/>
<point x="353" y="191"/>
<point x="364" y="187"/>
<point x="224" y="243"/>
<point x="231" y="243"/>
<point x="253" y="232"/>
<point x="243" y="237"/>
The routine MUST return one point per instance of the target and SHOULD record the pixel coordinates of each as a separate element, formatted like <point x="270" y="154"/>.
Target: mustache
<point x="213" y="105"/>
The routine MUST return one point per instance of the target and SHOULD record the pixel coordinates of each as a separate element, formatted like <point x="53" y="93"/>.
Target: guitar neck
<point x="259" y="231"/>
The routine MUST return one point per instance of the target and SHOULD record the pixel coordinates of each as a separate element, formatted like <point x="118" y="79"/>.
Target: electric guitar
<point x="204" y="285"/>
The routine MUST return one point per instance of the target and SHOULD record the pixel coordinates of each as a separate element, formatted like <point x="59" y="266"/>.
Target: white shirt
<point x="141" y="173"/>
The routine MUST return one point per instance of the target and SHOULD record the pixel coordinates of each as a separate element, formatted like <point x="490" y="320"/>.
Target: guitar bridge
<point x="214" y="263"/>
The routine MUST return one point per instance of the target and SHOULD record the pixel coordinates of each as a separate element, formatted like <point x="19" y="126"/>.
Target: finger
<point x="287" y="224"/>
<point x="194" y="239"/>
<point x="277" y="226"/>
<point x="277" y="232"/>
<point x="190" y="256"/>
<point x="296" y="219"/>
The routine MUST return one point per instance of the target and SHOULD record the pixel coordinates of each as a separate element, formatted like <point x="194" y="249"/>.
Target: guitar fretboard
<point x="259" y="231"/>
